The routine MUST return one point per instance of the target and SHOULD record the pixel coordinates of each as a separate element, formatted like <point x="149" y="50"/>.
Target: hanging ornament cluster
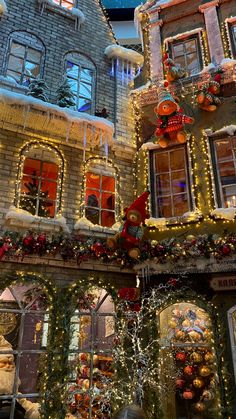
<point x="207" y="97"/>
<point x="173" y="71"/>
<point x="190" y="335"/>
<point x="170" y="119"/>
<point x="131" y="298"/>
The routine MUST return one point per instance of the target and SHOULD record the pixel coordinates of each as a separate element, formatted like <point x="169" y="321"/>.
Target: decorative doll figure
<point x="170" y="122"/>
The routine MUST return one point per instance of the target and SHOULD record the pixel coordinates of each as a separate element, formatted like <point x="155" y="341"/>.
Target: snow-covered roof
<point x="3" y="7"/>
<point x="117" y="51"/>
<point x="52" y="121"/>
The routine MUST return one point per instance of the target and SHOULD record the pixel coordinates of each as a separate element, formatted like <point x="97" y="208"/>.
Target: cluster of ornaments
<point x="196" y="382"/>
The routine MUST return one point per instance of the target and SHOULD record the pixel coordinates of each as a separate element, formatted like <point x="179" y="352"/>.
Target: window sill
<point x="85" y="227"/>
<point x="17" y="217"/>
<point x="224" y="213"/>
<point x="7" y="84"/>
<point x="164" y="223"/>
<point x="73" y="13"/>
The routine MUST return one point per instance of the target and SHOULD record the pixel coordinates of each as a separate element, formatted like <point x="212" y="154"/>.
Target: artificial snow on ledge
<point x="3" y="7"/>
<point x="149" y="146"/>
<point x="84" y="224"/>
<point x="77" y="13"/>
<point x="13" y="98"/>
<point x="192" y="215"/>
<point x="20" y="217"/>
<point x="159" y="223"/>
<point x="224" y="213"/>
<point x="229" y="130"/>
<point x="126" y="54"/>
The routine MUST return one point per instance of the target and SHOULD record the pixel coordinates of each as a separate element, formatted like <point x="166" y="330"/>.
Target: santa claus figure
<point x="23" y="408"/>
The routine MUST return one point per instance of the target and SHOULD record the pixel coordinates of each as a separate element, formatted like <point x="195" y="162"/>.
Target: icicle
<point x="101" y="137"/>
<point x="68" y="131"/>
<point x="106" y="148"/>
<point x="93" y="136"/>
<point x="127" y="72"/>
<point x="26" y="114"/>
<point x="112" y="67"/>
<point x="84" y="140"/>
<point x="76" y="23"/>
<point x="131" y="71"/>
<point x="117" y="66"/>
<point x="43" y="4"/>
<point x="122" y="71"/>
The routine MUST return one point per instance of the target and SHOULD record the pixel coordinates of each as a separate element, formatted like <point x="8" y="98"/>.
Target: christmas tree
<point x="65" y="96"/>
<point x="37" y="89"/>
<point x="28" y="201"/>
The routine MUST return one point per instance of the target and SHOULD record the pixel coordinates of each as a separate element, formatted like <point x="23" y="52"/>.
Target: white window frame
<point x="232" y="334"/>
<point x="153" y="175"/>
<point x="70" y="2"/>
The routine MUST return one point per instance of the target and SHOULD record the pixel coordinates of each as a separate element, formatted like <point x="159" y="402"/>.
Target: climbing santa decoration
<point x="171" y="121"/>
<point x="173" y="71"/>
<point x="131" y="231"/>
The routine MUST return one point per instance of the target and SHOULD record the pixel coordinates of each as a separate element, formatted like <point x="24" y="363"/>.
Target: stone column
<point x="213" y="31"/>
<point x="156" y="66"/>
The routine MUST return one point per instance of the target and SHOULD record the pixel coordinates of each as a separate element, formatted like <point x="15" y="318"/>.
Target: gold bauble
<point x="198" y="382"/>
<point x="186" y="323"/>
<point x="196" y="357"/>
<point x="195" y="336"/>
<point x="179" y="334"/>
<point x="209" y="357"/>
<point x="207" y="334"/>
<point x="172" y="323"/>
<point x="190" y="237"/>
<point x="199" y="407"/>
<point x="204" y="371"/>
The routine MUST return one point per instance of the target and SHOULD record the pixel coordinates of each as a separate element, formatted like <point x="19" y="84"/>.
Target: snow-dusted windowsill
<point x="73" y="13"/>
<point x="20" y="218"/>
<point x="85" y="227"/>
<point x="163" y="223"/>
<point x="7" y="84"/>
<point x="224" y="213"/>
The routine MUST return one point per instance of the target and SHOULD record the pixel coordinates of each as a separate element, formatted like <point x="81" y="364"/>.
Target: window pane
<point x="178" y="50"/>
<point x="177" y="159"/>
<point x="92" y="180"/>
<point x="32" y="167"/>
<point x="162" y="162"/>
<point x="12" y="75"/>
<point x="92" y="215"/>
<point x="227" y="173"/>
<point x="163" y="184"/>
<point x="85" y="90"/>
<point x="17" y="49"/>
<point x="48" y="190"/>
<point x="108" y="183"/>
<point x="92" y="198"/>
<point x="223" y="150"/>
<point x="31" y="69"/>
<point x="84" y="105"/>
<point x="190" y="46"/>
<point x="67" y="3"/>
<point x="49" y="171"/>
<point x="165" y="207"/>
<point x="72" y="70"/>
<point x="180" y="204"/>
<point x="108" y="218"/>
<point x="15" y="64"/>
<point x="33" y="55"/>
<point x="192" y="63"/>
<point x="229" y="195"/>
<point x="108" y="201"/>
<point x="178" y="181"/>
<point x="180" y="61"/>
<point x="73" y="85"/>
<point x="46" y="208"/>
<point x="86" y="75"/>
<point x="28" y="204"/>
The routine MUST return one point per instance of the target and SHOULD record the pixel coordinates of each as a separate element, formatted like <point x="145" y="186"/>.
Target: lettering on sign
<point x="221" y="284"/>
<point x="149" y="98"/>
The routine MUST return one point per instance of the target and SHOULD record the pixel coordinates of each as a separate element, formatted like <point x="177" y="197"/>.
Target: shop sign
<point x="223" y="284"/>
<point x="149" y="98"/>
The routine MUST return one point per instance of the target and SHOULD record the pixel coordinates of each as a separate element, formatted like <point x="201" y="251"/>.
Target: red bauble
<point x="188" y="394"/>
<point x="188" y="370"/>
<point x="98" y="249"/>
<point x="180" y="356"/>
<point x="225" y="249"/>
<point x="179" y="383"/>
<point x="41" y="239"/>
<point x="166" y="84"/>
<point x="28" y="241"/>
<point x="129" y="294"/>
<point x="217" y="78"/>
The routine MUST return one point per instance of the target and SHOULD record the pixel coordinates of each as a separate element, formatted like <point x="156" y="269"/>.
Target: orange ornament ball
<point x="188" y="370"/>
<point x="204" y="371"/>
<point x="188" y="394"/>
<point x="180" y="356"/>
<point x="179" y="334"/>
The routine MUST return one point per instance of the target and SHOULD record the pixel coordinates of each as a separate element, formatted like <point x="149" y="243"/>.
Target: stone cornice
<point x="203" y="7"/>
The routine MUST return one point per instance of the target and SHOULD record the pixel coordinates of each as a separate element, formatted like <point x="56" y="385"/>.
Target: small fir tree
<point x="38" y="89"/>
<point x="65" y="96"/>
<point x="28" y="201"/>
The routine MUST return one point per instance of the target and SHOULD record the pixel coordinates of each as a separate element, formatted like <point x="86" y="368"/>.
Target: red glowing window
<point x="38" y="191"/>
<point x="68" y="4"/>
<point x="100" y="199"/>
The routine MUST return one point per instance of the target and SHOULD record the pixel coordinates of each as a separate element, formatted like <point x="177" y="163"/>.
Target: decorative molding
<point x="203" y="7"/>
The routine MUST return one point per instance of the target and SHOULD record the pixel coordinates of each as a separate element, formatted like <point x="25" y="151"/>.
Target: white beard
<point x="6" y="381"/>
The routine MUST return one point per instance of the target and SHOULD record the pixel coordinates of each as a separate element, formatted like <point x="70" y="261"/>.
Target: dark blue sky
<point x="118" y="4"/>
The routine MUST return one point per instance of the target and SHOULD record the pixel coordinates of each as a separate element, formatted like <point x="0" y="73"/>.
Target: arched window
<point x="40" y="179"/>
<point x="25" y="58"/>
<point x="100" y="191"/>
<point x="187" y="366"/>
<point x="90" y="354"/>
<point x="68" y="4"/>
<point x="22" y="311"/>
<point x="232" y="331"/>
<point x="81" y="75"/>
